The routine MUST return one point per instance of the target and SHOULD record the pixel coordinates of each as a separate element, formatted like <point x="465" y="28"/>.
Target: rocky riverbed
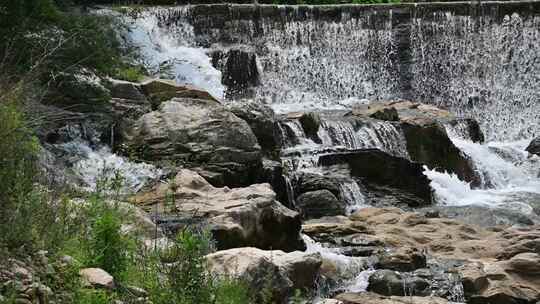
<point x="338" y="204"/>
<point x="425" y="190"/>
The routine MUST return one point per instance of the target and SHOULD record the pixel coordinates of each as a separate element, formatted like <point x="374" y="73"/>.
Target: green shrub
<point x="18" y="155"/>
<point x="231" y="291"/>
<point x="188" y="276"/>
<point x="107" y="248"/>
<point x="90" y="296"/>
<point x="133" y="74"/>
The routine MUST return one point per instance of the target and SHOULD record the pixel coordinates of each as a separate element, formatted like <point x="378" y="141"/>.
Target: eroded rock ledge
<point x="496" y="265"/>
<point x="237" y="217"/>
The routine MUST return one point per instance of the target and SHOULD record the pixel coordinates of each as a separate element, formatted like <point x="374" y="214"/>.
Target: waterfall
<point x="508" y="175"/>
<point x="352" y="194"/>
<point x="482" y="67"/>
<point x="479" y="60"/>
<point x="169" y="48"/>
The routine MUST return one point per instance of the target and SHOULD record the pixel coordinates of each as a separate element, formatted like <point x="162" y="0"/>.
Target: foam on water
<point x="355" y="271"/>
<point x="506" y="169"/>
<point x="92" y="164"/>
<point x="170" y="50"/>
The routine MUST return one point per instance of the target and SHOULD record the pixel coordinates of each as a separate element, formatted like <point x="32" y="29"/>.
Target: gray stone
<point x="316" y="204"/>
<point x="202" y="135"/>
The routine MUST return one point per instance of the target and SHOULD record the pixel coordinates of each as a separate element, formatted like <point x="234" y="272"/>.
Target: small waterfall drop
<point x="352" y="194"/>
<point x="169" y="49"/>
<point x="509" y="176"/>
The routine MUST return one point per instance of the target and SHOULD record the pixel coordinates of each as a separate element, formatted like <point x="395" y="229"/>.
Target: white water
<point x="508" y="174"/>
<point x="94" y="164"/>
<point x="355" y="271"/>
<point x="170" y="52"/>
<point x="352" y="194"/>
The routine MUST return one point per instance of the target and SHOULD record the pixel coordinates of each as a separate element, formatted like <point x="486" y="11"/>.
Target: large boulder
<point x="237" y="217"/>
<point x="534" y="146"/>
<point x="199" y="134"/>
<point x="319" y="203"/>
<point x="382" y="172"/>
<point x="128" y="104"/>
<point x="261" y="119"/>
<point x="428" y="143"/>
<point x="282" y="272"/>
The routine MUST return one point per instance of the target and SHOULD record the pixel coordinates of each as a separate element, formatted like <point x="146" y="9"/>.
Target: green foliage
<point x="26" y="13"/>
<point x="297" y="297"/>
<point x="90" y="296"/>
<point x="188" y="275"/>
<point x="133" y="74"/>
<point x="231" y="291"/>
<point x="18" y="155"/>
<point x="107" y="247"/>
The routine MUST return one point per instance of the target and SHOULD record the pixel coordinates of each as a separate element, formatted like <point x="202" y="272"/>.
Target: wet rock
<point x="426" y="136"/>
<point x="428" y="143"/>
<point x="315" y="204"/>
<point x="392" y="283"/>
<point x="128" y="104"/>
<point x="198" y="134"/>
<point x="97" y="277"/>
<point x="239" y="71"/>
<point x="373" y="298"/>
<point x="312" y="182"/>
<point x="160" y="90"/>
<point x="261" y="119"/>
<point x="237" y="217"/>
<point x="388" y="114"/>
<point x="534" y="146"/>
<point x="284" y="272"/>
<point x="310" y="123"/>
<point x="126" y="90"/>
<point x="484" y="216"/>
<point x="272" y="173"/>
<point x="402" y="259"/>
<point x="383" y="173"/>
<point x="470" y="129"/>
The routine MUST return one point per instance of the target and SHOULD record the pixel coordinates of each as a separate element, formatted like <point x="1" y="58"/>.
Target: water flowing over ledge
<point x="477" y="59"/>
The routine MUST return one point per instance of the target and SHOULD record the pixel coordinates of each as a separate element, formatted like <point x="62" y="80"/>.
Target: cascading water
<point x="481" y="62"/>
<point x="169" y="51"/>
<point x="509" y="176"/>
<point x="93" y="162"/>
<point x="486" y="67"/>
<point x="301" y="153"/>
